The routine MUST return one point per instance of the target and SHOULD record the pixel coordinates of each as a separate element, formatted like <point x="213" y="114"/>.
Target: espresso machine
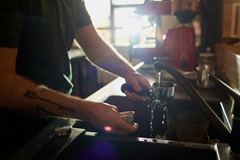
<point x="180" y="46"/>
<point x="180" y="40"/>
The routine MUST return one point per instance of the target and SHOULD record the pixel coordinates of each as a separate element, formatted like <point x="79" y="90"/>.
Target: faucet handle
<point x="230" y="91"/>
<point x="226" y="87"/>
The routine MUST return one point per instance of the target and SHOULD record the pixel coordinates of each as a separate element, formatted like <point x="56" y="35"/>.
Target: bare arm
<point x="102" y="54"/>
<point x="20" y="94"/>
<point x="106" y="57"/>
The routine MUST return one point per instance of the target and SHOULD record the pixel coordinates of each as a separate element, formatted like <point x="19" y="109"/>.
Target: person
<point x="35" y="73"/>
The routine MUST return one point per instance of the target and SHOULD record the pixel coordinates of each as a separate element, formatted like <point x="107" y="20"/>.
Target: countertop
<point x="113" y="88"/>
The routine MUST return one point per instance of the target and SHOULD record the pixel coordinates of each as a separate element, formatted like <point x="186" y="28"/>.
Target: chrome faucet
<point x="196" y="97"/>
<point x="231" y="136"/>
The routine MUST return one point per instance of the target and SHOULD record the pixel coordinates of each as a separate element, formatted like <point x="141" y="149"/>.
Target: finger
<point x="145" y="83"/>
<point x="135" y="96"/>
<point x="129" y="94"/>
<point x="115" y="108"/>
<point x="136" y="125"/>
<point x="132" y="128"/>
<point x="136" y="86"/>
<point x="126" y="129"/>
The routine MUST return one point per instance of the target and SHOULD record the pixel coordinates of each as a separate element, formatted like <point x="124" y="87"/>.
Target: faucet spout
<point x="196" y="97"/>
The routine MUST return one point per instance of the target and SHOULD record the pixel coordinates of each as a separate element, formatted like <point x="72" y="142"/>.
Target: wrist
<point x="88" y="111"/>
<point x="129" y="72"/>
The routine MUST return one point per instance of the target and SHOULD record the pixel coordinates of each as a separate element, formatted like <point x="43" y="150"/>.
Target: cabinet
<point x="231" y="18"/>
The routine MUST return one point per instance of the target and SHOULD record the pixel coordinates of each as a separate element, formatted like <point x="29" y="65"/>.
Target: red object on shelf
<point x="181" y="43"/>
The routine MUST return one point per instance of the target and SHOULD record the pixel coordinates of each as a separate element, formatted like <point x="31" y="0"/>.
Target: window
<point x="123" y="27"/>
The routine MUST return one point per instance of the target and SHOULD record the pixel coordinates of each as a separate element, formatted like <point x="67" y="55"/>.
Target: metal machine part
<point x="206" y="66"/>
<point x="128" y="116"/>
<point x="63" y="131"/>
<point x="164" y="91"/>
<point x="235" y="132"/>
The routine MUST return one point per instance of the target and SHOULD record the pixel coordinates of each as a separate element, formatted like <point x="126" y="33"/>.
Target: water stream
<point x="155" y="102"/>
<point x="159" y="75"/>
<point x="153" y="106"/>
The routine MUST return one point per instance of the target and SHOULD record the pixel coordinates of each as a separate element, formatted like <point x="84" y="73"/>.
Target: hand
<point x="139" y="83"/>
<point x="107" y="118"/>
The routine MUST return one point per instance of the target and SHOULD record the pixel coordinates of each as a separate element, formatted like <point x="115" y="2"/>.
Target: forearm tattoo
<point x="38" y="110"/>
<point x="33" y="95"/>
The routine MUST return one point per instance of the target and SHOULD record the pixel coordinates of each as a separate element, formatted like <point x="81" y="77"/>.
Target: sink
<point x="142" y="113"/>
<point x="94" y="144"/>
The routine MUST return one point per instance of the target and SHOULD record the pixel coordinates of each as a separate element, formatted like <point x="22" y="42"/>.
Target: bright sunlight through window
<point x="128" y="25"/>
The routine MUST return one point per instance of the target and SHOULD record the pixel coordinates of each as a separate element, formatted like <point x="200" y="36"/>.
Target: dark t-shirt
<point x="43" y="32"/>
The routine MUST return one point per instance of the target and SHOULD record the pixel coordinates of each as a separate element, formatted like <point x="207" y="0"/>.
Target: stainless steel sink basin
<point x="142" y="112"/>
<point x="95" y="144"/>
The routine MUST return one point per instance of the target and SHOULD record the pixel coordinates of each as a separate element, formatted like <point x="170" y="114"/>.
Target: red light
<point x="107" y="128"/>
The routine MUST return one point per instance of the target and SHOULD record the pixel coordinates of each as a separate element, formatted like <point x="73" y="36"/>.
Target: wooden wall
<point x="228" y="64"/>
<point x="227" y="15"/>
